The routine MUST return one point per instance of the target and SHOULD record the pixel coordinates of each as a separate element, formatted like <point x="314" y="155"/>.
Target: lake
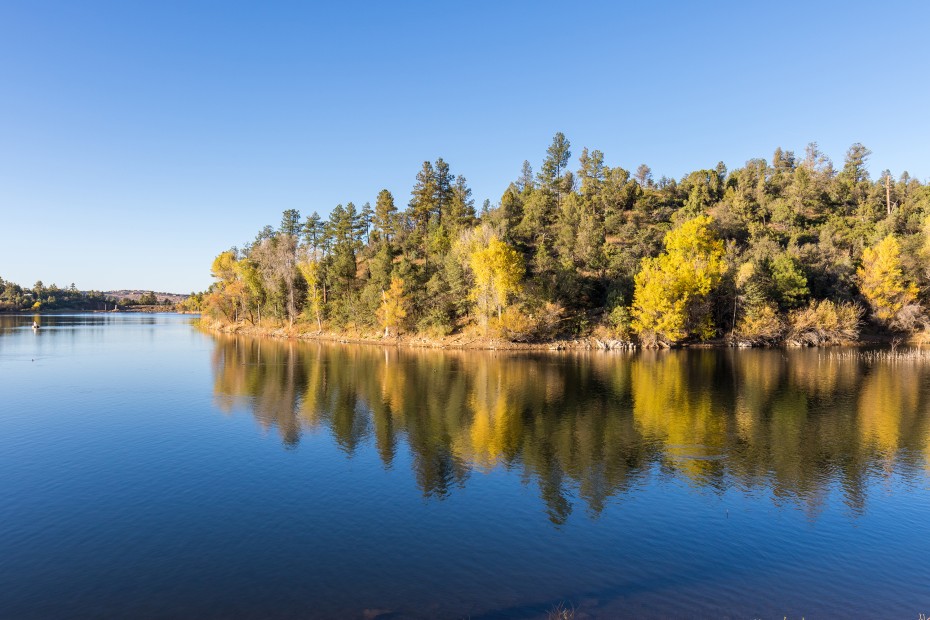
<point x="148" y="469"/>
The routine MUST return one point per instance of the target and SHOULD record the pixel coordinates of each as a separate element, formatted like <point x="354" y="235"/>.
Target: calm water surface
<point x="151" y="470"/>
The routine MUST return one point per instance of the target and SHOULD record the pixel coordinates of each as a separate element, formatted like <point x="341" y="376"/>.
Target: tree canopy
<point x="747" y="253"/>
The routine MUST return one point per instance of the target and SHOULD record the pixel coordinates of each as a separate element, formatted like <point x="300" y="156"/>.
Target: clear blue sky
<point x="140" y="139"/>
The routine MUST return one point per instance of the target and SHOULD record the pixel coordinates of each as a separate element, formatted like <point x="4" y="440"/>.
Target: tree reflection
<point x="591" y="427"/>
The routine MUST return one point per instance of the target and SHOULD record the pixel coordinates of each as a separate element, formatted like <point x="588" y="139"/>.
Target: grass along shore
<point x="474" y="341"/>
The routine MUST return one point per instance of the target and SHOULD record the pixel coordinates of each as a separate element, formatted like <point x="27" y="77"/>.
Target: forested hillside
<point x="40" y="297"/>
<point x="788" y="249"/>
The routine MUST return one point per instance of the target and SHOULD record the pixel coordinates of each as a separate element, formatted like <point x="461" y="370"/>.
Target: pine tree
<point x="384" y="220"/>
<point x="423" y="197"/>
<point x="462" y="205"/>
<point x="313" y="232"/>
<point x="553" y="168"/>
<point x="525" y="182"/>
<point x="591" y="173"/>
<point x="444" y="183"/>
<point x="365" y="218"/>
<point x="290" y="222"/>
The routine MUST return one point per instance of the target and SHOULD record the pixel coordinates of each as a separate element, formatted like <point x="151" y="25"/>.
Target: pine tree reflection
<point x="591" y="426"/>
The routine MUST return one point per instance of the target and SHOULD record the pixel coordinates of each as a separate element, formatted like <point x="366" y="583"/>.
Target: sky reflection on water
<point x="151" y="470"/>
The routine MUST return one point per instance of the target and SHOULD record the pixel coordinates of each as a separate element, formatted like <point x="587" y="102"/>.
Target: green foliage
<point x="148" y="299"/>
<point x="557" y="156"/>
<point x="621" y="320"/>
<point x="752" y="252"/>
<point x="789" y="283"/>
<point x="14" y="297"/>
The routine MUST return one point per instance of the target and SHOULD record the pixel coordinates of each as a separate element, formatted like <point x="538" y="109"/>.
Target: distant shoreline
<point x="125" y="309"/>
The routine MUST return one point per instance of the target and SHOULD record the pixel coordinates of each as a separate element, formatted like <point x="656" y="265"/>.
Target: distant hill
<point x="136" y="294"/>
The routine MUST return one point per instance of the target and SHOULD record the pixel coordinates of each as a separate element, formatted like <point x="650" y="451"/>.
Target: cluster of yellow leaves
<point x="238" y="286"/>
<point x="514" y="324"/>
<point x="498" y="269"/>
<point x="824" y="322"/>
<point x="672" y="288"/>
<point x="310" y="270"/>
<point x="227" y="297"/>
<point x="882" y="282"/>
<point x="760" y="325"/>
<point x="393" y="309"/>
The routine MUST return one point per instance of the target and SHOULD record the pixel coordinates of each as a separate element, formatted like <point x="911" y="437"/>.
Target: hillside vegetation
<point x="794" y="249"/>
<point x="42" y="298"/>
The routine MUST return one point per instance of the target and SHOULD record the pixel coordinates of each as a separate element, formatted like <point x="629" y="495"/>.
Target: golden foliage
<point x="514" y="324"/>
<point x="888" y="400"/>
<point x="671" y="300"/>
<point x="882" y="281"/>
<point x="310" y="270"/>
<point x="824" y="322"/>
<point x="498" y="269"/>
<point x="760" y="325"/>
<point x="674" y="407"/>
<point x="393" y="309"/>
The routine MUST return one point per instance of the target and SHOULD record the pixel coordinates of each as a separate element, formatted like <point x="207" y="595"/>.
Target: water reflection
<point x="591" y="428"/>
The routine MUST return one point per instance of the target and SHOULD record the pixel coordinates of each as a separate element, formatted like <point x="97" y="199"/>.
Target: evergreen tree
<point x="553" y="168"/>
<point x="313" y="232"/>
<point x="290" y="222"/>
<point x="525" y="183"/>
<point x="384" y="220"/>
<point x="444" y="189"/>
<point x="365" y="218"/>
<point x="423" y="201"/>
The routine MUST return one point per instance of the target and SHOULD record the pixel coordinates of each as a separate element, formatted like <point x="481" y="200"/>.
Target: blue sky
<point x="140" y="139"/>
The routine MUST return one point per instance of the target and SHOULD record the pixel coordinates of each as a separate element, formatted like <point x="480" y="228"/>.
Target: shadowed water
<point x="152" y="470"/>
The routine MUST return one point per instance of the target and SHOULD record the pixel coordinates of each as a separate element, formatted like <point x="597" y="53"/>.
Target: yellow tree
<point x="498" y="269"/>
<point x="671" y="299"/>
<point x="393" y="309"/>
<point x="253" y="291"/>
<point x="882" y="281"/>
<point x="229" y="291"/>
<point x="310" y="270"/>
<point x="224" y="267"/>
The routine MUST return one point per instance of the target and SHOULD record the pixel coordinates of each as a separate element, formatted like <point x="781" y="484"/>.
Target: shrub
<point x="518" y="324"/>
<point x="620" y="321"/>
<point x="824" y="323"/>
<point x="513" y="325"/>
<point x="548" y="319"/>
<point x="760" y="325"/>
<point x="910" y="318"/>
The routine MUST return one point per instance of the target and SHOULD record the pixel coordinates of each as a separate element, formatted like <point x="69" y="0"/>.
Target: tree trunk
<point x="888" y="193"/>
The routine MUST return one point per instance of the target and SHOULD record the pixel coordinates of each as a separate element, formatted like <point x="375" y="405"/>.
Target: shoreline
<point x="464" y="342"/>
<point x="124" y="310"/>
